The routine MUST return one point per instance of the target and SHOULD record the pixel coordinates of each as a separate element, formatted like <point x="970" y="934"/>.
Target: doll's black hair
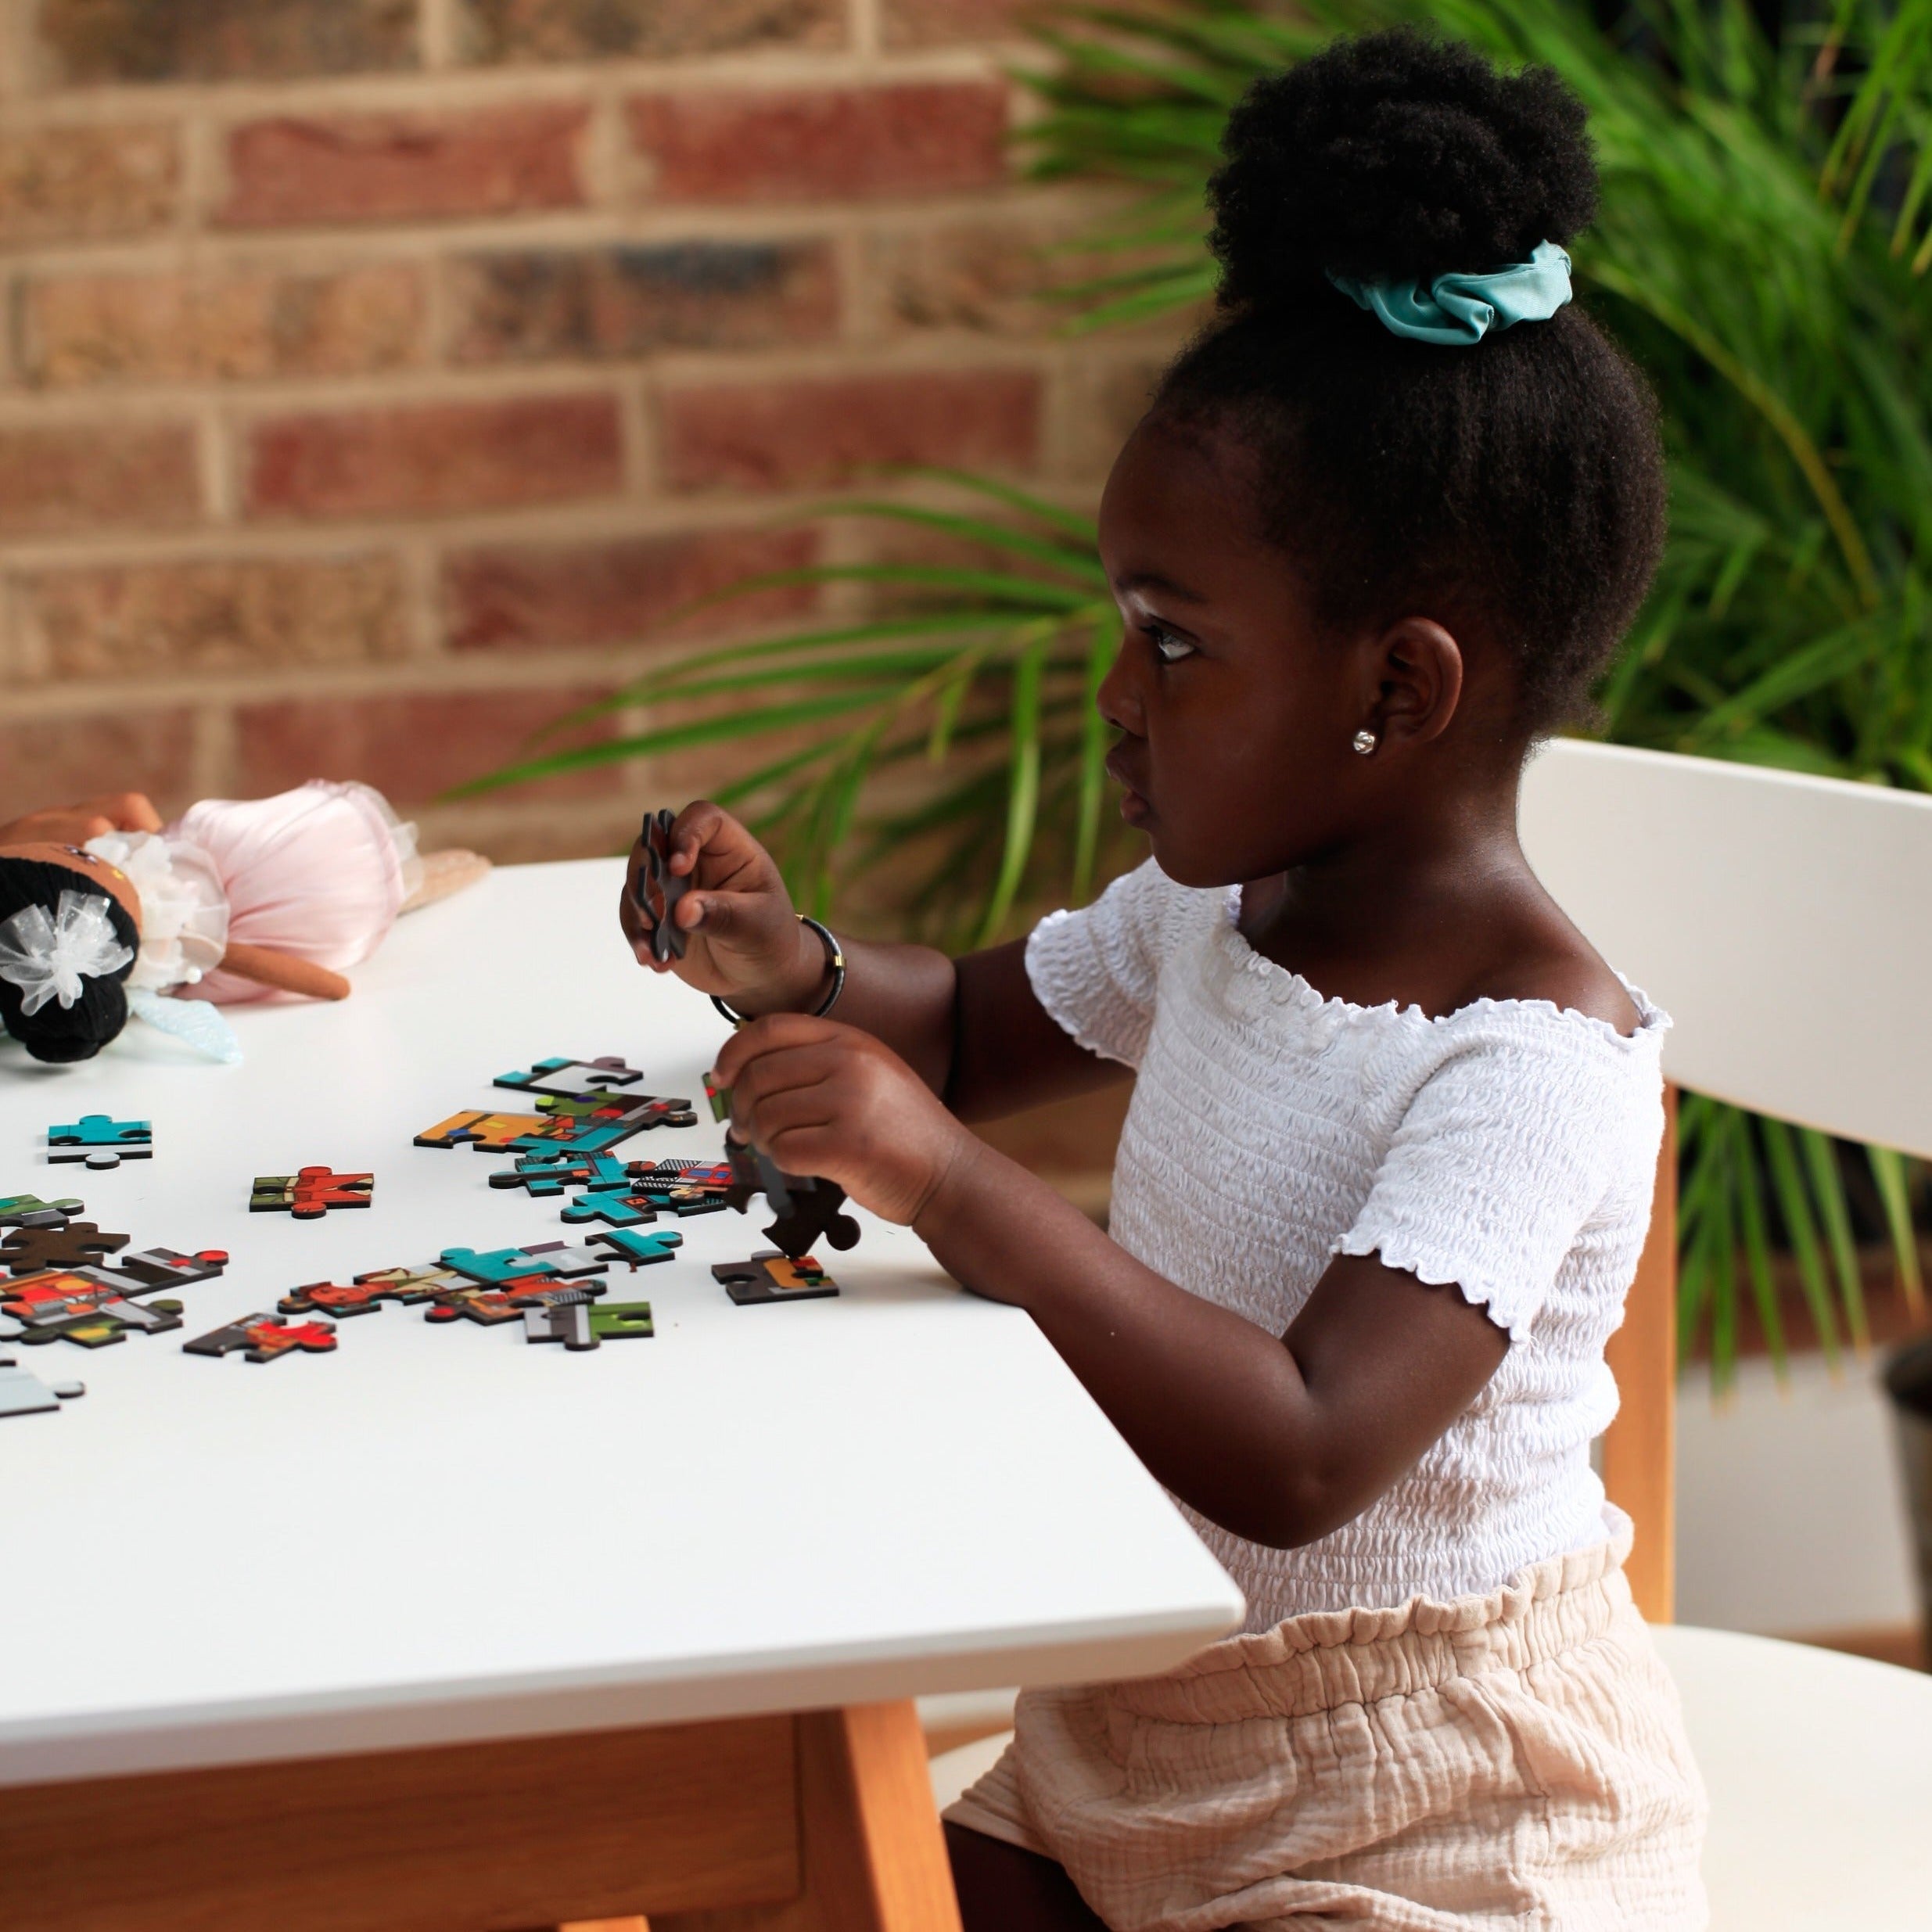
<point x="58" y="1032"/>
<point x="1516" y="484"/>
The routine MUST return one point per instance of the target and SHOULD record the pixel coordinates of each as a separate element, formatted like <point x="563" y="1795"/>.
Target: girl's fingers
<point x="787" y="1070"/>
<point x="777" y="1115"/>
<point x="774" y="1032"/>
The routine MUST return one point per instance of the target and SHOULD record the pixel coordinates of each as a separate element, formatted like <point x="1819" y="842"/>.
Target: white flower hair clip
<point x="48" y="959"/>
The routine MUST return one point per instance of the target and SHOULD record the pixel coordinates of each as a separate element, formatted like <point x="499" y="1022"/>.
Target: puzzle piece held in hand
<point x="573" y="1079"/>
<point x="310" y="1193"/>
<point x="808" y="1209"/>
<point x="23" y="1393"/>
<point x="28" y="1251"/>
<point x="264" y="1337"/>
<point x="659" y="889"/>
<point x="641" y="1250"/>
<point x="771" y="1276"/>
<point x="99" y="1141"/>
<point x="30" y="1211"/>
<point x="621" y="1321"/>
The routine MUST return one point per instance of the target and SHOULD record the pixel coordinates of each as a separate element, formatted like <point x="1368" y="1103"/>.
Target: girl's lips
<point x="1134" y="807"/>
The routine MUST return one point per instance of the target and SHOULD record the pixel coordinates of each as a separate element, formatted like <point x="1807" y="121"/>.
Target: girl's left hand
<point x="833" y="1102"/>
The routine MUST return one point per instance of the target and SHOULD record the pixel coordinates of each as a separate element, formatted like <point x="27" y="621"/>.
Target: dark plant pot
<point x="1908" y="1382"/>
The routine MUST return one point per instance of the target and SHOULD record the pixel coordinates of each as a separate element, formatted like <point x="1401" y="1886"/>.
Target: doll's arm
<point x="87" y="818"/>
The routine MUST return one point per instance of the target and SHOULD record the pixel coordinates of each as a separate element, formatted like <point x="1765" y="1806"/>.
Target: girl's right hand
<point x="743" y="940"/>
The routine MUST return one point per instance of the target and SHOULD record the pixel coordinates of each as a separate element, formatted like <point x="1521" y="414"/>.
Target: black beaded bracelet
<point x="834" y="958"/>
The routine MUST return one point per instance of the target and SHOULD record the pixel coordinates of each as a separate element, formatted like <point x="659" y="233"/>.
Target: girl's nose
<point x="1118" y="698"/>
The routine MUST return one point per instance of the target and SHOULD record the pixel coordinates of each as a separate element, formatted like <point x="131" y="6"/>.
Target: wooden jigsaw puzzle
<point x="659" y="889"/>
<point x="310" y="1193"/>
<point x="100" y="1142"/>
<point x="264" y="1337"/>
<point x="26" y="1251"/>
<point x="573" y="1079"/>
<point x="83" y="1306"/>
<point x="771" y="1276"/>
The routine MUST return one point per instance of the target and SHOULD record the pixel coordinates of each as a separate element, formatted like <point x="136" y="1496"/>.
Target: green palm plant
<point x="1762" y="250"/>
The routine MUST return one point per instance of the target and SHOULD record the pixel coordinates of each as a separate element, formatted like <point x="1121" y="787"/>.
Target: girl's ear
<point x="1418" y="673"/>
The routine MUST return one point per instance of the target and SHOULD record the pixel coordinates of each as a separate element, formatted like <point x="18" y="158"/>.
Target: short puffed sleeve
<point x="1529" y="1128"/>
<point x="1095" y="970"/>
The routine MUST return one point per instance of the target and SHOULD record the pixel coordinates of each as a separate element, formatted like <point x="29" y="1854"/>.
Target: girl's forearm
<point x="1216" y="1407"/>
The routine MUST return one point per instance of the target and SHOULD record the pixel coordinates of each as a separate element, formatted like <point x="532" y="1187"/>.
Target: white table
<point x="562" y="1595"/>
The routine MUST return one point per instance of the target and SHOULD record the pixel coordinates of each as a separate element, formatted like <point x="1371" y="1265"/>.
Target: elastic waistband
<point x="1328" y="1658"/>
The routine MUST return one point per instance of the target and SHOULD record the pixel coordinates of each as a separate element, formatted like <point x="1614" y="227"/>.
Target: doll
<point x="236" y="900"/>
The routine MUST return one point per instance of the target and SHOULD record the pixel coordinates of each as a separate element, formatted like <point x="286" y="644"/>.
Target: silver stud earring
<point x="1364" y="743"/>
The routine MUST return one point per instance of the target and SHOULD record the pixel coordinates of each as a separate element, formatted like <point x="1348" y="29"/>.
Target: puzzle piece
<point x="573" y="1079"/>
<point x="488" y="1133"/>
<point x="561" y="1319"/>
<point x="621" y="1321"/>
<point x="409" y="1285"/>
<point x="808" y="1209"/>
<point x="166" y="1267"/>
<point x="28" y="1251"/>
<point x="490" y="1266"/>
<point x="30" y="1211"/>
<point x="771" y="1276"/>
<point x="99" y="1141"/>
<point x="560" y="1257"/>
<point x="552" y="1174"/>
<point x="23" y="1393"/>
<point x="489" y="1306"/>
<point x="264" y="1337"/>
<point x="604" y="1127"/>
<point x="618" y="1207"/>
<point x="641" y="1250"/>
<point x="310" y="1193"/>
<point x="659" y="889"/>
<point x="685" y="1187"/>
<point x="332" y="1297"/>
<point x="83" y="1306"/>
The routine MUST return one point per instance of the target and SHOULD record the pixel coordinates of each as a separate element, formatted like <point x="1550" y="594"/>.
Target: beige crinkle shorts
<point x="1512" y="1760"/>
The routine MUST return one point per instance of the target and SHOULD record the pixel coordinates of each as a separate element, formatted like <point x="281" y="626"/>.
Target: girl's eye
<point x="1168" y="647"/>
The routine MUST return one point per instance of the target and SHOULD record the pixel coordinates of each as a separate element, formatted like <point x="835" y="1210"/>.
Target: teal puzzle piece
<point x="641" y="1250"/>
<point x="494" y="1265"/>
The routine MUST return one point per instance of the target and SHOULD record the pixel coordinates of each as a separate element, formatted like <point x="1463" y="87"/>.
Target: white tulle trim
<point x="51" y="959"/>
<point x="184" y="909"/>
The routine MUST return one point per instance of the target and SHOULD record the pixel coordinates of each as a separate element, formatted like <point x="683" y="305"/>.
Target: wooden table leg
<point x="875" y="1858"/>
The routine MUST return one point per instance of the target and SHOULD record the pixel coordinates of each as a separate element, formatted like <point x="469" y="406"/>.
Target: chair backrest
<point x="1784" y="921"/>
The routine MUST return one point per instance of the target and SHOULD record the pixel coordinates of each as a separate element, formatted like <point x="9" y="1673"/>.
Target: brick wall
<point x="375" y="374"/>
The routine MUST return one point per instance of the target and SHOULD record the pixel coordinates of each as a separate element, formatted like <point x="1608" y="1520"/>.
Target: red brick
<point x="144" y="620"/>
<point x="650" y="29"/>
<point x="96" y="41"/>
<point x="939" y="22"/>
<point x="435" y="457"/>
<point x="79" y="184"/>
<point x="799" y="145"/>
<point x="410" y="746"/>
<point x="73" y="477"/>
<point x="48" y="761"/>
<point x="538" y="304"/>
<point x="526" y="598"/>
<point x="399" y="167"/>
<point x="770" y="435"/>
<point x="93" y="329"/>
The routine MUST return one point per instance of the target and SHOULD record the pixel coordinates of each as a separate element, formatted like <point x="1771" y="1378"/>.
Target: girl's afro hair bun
<point x="1394" y="155"/>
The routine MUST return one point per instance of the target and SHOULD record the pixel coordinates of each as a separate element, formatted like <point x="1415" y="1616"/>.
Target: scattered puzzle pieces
<point x="23" y="1393"/>
<point x="618" y="1207"/>
<point x="310" y="1193"/>
<point x="771" y="1276"/>
<point x="685" y="1187"/>
<point x="491" y="1266"/>
<point x="83" y="1306"/>
<point x="30" y="1250"/>
<point x="573" y="1079"/>
<point x="264" y="1337"/>
<point x="564" y="1318"/>
<point x="659" y="889"/>
<point x="641" y="1250"/>
<point x="552" y="1174"/>
<point x="30" y="1211"/>
<point x="621" y="1321"/>
<point x="166" y="1267"/>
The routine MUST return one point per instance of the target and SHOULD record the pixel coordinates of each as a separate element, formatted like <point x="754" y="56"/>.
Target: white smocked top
<point x="1508" y="1147"/>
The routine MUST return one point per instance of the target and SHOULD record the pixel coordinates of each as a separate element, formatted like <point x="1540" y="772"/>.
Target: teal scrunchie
<point x="1456" y="309"/>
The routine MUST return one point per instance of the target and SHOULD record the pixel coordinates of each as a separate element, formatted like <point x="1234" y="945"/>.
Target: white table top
<point x="442" y="1533"/>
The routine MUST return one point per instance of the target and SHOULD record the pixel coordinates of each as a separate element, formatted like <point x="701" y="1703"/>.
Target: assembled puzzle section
<point x="310" y="1193"/>
<point x="771" y="1276"/>
<point x="100" y="1142"/>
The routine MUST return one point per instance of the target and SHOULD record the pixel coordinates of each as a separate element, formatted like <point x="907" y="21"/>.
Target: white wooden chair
<point x="1786" y="924"/>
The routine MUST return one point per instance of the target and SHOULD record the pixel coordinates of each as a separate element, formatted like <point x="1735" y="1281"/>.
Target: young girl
<point x="1389" y="1164"/>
